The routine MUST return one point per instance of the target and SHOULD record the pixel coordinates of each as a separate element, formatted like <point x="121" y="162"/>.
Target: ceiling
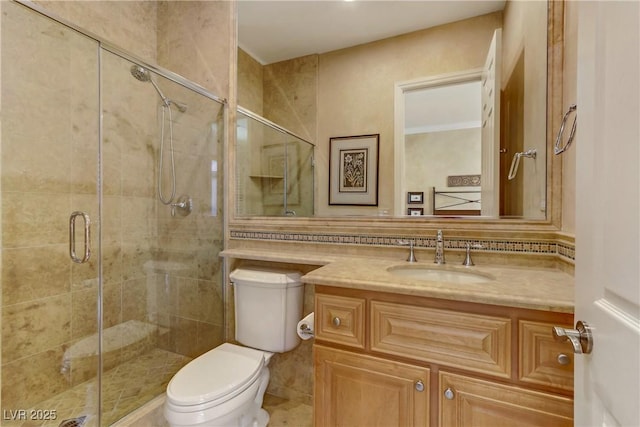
<point x="443" y="108"/>
<point x="273" y="31"/>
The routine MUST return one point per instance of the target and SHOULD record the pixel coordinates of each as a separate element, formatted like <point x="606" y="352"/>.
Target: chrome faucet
<point x="410" y="243"/>
<point x="439" y="258"/>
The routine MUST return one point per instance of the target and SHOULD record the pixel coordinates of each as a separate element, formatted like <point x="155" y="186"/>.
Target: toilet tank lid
<point x="267" y="277"/>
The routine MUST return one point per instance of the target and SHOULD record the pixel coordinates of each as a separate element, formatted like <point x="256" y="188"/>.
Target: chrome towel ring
<point x="558" y="149"/>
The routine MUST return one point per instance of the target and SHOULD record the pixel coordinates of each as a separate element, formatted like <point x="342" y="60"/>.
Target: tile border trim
<point x="540" y="247"/>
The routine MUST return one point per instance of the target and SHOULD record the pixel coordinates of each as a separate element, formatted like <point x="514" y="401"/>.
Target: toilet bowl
<point x="225" y="386"/>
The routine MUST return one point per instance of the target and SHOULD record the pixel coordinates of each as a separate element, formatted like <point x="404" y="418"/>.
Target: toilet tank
<point x="268" y="306"/>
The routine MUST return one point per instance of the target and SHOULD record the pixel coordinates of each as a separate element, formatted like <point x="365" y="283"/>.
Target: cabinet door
<point x="543" y="360"/>
<point x="470" y="402"/>
<point x="340" y="320"/>
<point x="357" y="390"/>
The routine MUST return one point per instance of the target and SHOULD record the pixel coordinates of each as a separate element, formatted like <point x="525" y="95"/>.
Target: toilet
<point x="225" y="386"/>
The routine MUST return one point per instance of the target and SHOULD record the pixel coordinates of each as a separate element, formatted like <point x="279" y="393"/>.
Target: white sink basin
<point x="435" y="274"/>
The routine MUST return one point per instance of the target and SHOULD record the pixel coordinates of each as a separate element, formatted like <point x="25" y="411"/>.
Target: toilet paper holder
<point x="306" y="330"/>
<point x="306" y="327"/>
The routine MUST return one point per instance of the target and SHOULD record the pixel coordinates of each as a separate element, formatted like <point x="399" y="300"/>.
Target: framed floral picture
<point x="353" y="170"/>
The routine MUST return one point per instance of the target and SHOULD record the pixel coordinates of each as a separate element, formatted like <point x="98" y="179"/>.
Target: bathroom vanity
<point x="402" y="350"/>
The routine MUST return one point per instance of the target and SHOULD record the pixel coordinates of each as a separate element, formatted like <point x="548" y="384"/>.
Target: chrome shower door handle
<point x="72" y="237"/>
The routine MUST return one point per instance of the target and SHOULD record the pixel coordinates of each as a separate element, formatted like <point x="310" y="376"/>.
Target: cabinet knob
<point x="336" y="321"/>
<point x="449" y="394"/>
<point x="563" y="359"/>
<point x="419" y="385"/>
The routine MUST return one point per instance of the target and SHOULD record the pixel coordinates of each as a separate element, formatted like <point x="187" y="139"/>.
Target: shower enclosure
<point x="107" y="290"/>
<point x="274" y="169"/>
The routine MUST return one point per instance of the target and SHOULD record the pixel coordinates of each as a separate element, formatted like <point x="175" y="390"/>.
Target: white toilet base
<point x="262" y="418"/>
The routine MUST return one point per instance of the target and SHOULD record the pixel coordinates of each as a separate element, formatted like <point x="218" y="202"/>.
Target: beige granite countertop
<point x="524" y="287"/>
<point x="534" y="288"/>
<point x="308" y="258"/>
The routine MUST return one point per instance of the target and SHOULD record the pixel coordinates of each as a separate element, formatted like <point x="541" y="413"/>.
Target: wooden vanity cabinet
<point x="387" y="360"/>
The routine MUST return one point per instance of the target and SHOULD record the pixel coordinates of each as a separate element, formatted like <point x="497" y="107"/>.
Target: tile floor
<point x="287" y="413"/>
<point x="125" y="388"/>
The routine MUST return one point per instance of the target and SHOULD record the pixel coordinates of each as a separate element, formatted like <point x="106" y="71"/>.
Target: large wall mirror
<point x="454" y="93"/>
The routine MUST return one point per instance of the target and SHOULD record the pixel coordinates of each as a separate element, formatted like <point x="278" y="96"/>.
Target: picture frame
<point x="415" y="211"/>
<point x="415" y="197"/>
<point x="353" y="170"/>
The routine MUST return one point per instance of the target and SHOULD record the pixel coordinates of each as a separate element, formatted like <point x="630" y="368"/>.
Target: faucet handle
<point x="468" y="262"/>
<point x="410" y="243"/>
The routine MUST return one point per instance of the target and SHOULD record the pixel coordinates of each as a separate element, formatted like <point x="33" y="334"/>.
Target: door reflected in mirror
<point x="442" y="146"/>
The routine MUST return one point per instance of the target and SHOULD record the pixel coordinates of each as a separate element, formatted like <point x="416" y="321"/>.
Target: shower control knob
<point x="183" y="206"/>
<point x="336" y="321"/>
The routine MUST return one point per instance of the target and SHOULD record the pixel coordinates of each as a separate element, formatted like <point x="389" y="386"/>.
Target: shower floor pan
<point x="124" y="389"/>
<point x="135" y="371"/>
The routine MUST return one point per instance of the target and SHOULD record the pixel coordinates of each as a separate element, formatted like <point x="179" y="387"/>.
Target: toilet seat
<point x="214" y="377"/>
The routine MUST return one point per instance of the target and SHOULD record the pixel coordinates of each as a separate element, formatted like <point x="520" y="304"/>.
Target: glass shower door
<point x="49" y="168"/>
<point x="162" y="231"/>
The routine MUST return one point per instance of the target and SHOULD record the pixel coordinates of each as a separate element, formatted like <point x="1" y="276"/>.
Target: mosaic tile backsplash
<point x="564" y="250"/>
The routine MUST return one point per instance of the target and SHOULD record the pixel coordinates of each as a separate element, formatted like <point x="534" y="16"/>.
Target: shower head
<point x="144" y="75"/>
<point x="140" y="73"/>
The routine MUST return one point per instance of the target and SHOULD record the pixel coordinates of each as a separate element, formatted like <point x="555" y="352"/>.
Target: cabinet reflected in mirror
<point x="350" y="91"/>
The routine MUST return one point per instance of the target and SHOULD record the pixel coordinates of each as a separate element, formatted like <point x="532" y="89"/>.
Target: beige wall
<point x="250" y="83"/>
<point x="194" y="41"/>
<point x="436" y="155"/>
<point x="130" y="24"/>
<point x="291" y="95"/>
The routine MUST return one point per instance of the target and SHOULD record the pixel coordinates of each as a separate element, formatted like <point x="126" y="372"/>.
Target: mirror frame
<point x="552" y="223"/>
